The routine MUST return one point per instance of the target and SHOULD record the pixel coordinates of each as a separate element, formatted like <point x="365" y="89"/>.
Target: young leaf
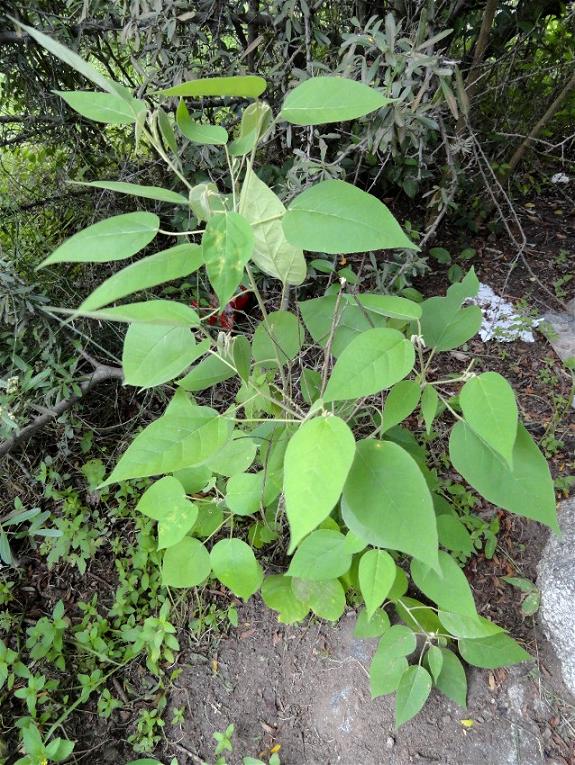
<point x="386" y="497"/>
<point x="155" y="354"/>
<point x="321" y="100"/>
<point x="429" y="403"/>
<point x="526" y="490"/>
<point x="391" y="305"/>
<point x="451" y="680"/>
<point x="228" y="243"/>
<point x="412" y="693"/>
<point x="234" y="564"/>
<point x="400" y="402"/>
<point x="326" y="599"/>
<point x="210" y="371"/>
<point x="322" y="555"/>
<point x="335" y="217"/>
<point x="167" y="131"/>
<point x="448" y="587"/>
<point x="376" y="575"/>
<point x="186" y="564"/>
<point x="174" y="263"/>
<point x="104" y="107"/>
<point x="434" y="658"/>
<point x="198" y="132"/>
<point x="489" y="407"/>
<point x="242" y="356"/>
<point x="373" y="361"/>
<point x="165" y="501"/>
<point x="173" y="442"/>
<point x="385" y="673"/>
<point x="115" y="238"/>
<point x="370" y="628"/>
<point x="280" y="337"/>
<point x="247" y="86"/>
<point x="135" y="190"/>
<point x="273" y="254"/>
<point x="494" y="651"/>
<point x="277" y="594"/>
<point x="317" y="461"/>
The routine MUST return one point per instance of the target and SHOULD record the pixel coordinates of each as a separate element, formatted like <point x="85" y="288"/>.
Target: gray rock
<point x="562" y="336"/>
<point x="556" y="581"/>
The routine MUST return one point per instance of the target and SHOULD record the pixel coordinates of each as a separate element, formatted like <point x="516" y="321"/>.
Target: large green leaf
<point x="174" y="263"/>
<point x="277" y="594"/>
<point x="72" y="59"/>
<point x="199" y="132"/>
<point x="391" y="305"/>
<point x="322" y="555"/>
<point x="444" y="324"/>
<point x="115" y="238"/>
<point x="320" y="100"/>
<point x="244" y="493"/>
<point x="526" y="490"/>
<point x="166" y="312"/>
<point x="400" y="403"/>
<point x="467" y="626"/>
<point x="494" y="651"/>
<point x="397" y="641"/>
<point x="136" y="190"/>
<point x="208" y="372"/>
<point x="234" y="564"/>
<point x="279" y="337"/>
<point x="376" y="574"/>
<point x="173" y="442"/>
<point x="326" y="598"/>
<point x="228" y="243"/>
<point x="236" y="456"/>
<point x="273" y="254"/>
<point x="354" y="318"/>
<point x="451" y="680"/>
<point x="245" y="86"/>
<point x="336" y="217"/>
<point x="412" y="693"/>
<point x="489" y="407"/>
<point x="373" y="361"/>
<point x="317" y="461"/>
<point x="448" y="587"/>
<point x="385" y="498"/>
<point x="186" y="564"/>
<point x="385" y="673"/>
<point x="416" y="615"/>
<point x="369" y="628"/>
<point x="165" y="501"/>
<point x="104" y="107"/>
<point x="155" y="354"/>
<point x="453" y="534"/>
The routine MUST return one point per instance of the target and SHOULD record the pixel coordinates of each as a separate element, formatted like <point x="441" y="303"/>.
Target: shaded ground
<point x="307" y="689"/>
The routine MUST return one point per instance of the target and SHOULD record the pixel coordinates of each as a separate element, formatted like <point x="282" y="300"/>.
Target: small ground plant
<point x="314" y="448"/>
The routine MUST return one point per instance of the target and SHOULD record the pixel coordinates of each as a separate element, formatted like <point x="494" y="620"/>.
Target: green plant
<point x="531" y="598"/>
<point x="310" y="447"/>
<point x="456" y="263"/>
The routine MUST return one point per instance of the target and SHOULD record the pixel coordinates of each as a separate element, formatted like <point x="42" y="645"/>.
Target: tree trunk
<point x="478" y="53"/>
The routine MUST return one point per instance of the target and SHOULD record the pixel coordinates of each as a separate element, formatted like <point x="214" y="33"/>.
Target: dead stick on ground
<point x="101" y="372"/>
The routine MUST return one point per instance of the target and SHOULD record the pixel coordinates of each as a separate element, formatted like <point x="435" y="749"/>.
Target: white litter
<point x="501" y="321"/>
<point x="560" y="178"/>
